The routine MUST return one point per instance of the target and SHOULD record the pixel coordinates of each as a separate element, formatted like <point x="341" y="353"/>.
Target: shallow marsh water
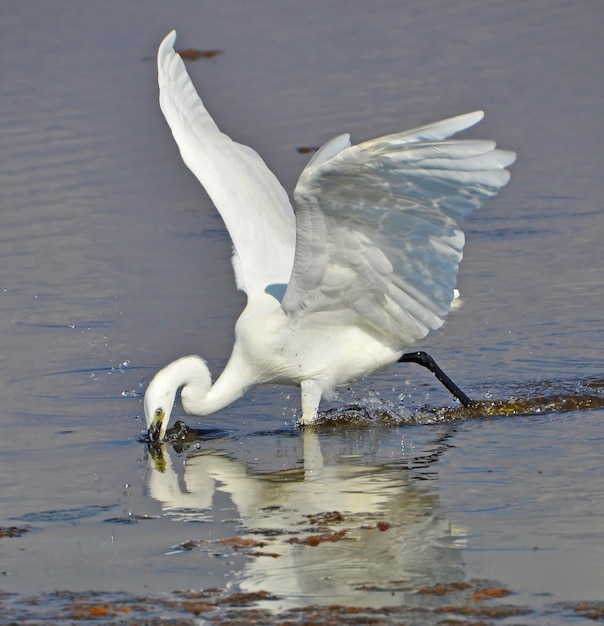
<point x="112" y="263"/>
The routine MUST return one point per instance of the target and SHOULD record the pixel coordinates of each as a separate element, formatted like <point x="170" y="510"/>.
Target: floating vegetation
<point x="223" y="547"/>
<point x="442" y="589"/>
<point x="307" y="149"/>
<point x="330" y="517"/>
<point x="454" y="602"/>
<point x="589" y="610"/>
<point x="557" y="403"/>
<point x="584" y="396"/>
<point x="129" y="519"/>
<point x="315" y="540"/>
<point x="181" y="437"/>
<point x="12" y="531"/>
<point x="314" y="530"/>
<point x="192" y="54"/>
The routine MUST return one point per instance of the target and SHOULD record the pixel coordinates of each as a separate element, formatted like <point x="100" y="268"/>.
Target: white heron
<point x="365" y="267"/>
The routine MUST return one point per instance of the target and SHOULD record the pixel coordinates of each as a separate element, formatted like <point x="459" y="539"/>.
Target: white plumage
<point x="366" y="267"/>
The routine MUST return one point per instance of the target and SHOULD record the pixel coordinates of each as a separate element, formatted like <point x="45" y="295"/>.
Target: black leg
<point x="424" y="359"/>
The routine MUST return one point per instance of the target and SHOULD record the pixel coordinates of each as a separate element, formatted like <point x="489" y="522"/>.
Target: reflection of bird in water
<point x="275" y="509"/>
<point x="366" y="268"/>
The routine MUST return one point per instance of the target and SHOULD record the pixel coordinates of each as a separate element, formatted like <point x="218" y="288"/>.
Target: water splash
<point x="541" y="398"/>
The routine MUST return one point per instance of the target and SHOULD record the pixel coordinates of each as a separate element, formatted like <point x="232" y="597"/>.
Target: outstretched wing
<point x="379" y="237"/>
<point x="250" y="199"/>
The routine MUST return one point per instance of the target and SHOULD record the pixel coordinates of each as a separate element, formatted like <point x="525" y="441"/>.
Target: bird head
<point x="189" y="372"/>
<point x="159" y="402"/>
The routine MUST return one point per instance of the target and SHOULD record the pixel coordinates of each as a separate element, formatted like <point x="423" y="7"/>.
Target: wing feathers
<point x="377" y="231"/>
<point x="384" y="218"/>
<point x="329" y="150"/>
<point x="437" y="131"/>
<point x="252" y="203"/>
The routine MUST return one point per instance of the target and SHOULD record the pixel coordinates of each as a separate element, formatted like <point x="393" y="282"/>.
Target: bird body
<point x="365" y="267"/>
<point x="270" y="347"/>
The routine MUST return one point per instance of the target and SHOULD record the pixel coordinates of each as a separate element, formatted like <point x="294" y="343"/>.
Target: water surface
<point x="113" y="262"/>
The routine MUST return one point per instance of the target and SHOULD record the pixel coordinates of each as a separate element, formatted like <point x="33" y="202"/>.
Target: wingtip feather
<point x="168" y="40"/>
<point x="165" y="47"/>
<point x="330" y="149"/>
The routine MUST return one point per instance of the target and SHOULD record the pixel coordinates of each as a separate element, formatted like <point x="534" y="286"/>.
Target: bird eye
<point x="159" y="412"/>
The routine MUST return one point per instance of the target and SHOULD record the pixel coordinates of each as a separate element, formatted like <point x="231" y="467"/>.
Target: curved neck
<point x="200" y="397"/>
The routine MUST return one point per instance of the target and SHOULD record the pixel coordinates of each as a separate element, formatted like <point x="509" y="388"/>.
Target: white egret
<point x="364" y="268"/>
